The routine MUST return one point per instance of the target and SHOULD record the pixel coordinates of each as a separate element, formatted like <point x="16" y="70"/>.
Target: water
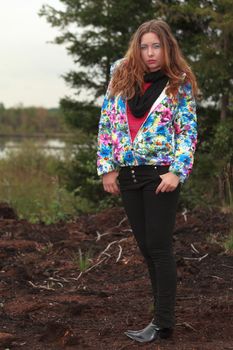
<point x="50" y="146"/>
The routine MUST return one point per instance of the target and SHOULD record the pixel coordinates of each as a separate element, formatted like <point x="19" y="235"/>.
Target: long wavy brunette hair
<point x="131" y="69"/>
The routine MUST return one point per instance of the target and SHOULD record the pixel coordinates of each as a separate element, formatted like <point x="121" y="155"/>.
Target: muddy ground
<point x="45" y="303"/>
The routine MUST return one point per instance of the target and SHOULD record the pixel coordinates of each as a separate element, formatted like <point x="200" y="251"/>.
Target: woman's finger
<point x="161" y="187"/>
<point x="116" y="188"/>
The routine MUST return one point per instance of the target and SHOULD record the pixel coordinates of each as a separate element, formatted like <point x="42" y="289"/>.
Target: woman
<point x="146" y="142"/>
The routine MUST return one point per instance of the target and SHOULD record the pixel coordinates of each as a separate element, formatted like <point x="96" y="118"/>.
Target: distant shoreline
<point x="38" y="135"/>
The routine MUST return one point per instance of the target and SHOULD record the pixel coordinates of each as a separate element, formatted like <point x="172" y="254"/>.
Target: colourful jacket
<point x="168" y="136"/>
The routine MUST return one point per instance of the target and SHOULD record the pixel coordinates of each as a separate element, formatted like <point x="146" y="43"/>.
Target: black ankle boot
<point x="149" y="333"/>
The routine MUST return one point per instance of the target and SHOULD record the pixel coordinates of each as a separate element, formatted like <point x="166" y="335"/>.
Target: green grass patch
<point x="82" y="260"/>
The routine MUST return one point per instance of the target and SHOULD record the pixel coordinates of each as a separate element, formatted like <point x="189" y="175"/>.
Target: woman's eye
<point x="143" y="47"/>
<point x="156" y="46"/>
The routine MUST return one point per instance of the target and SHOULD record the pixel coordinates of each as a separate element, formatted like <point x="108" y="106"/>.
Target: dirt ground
<point x="46" y="304"/>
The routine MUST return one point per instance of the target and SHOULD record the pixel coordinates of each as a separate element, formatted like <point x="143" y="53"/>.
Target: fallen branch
<point x="58" y="280"/>
<point x="119" y="255"/>
<point x="231" y="267"/>
<point x="109" y="245"/>
<point x="198" y="259"/>
<point x="90" y="268"/>
<point x="121" y="222"/>
<point x="40" y="286"/>
<point x="99" y="235"/>
<point x="184" y="212"/>
<point x="187" y="325"/>
<point x="217" y="277"/>
<point x="194" y="249"/>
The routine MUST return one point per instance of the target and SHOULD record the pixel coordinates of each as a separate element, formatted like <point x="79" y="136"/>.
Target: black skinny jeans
<point x="152" y="219"/>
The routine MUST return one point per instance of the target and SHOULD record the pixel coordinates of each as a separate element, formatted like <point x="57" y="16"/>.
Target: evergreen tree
<point x="205" y="30"/>
<point x="96" y="33"/>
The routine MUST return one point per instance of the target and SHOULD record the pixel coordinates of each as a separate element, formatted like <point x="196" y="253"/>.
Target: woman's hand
<point x="110" y="183"/>
<point x="169" y="183"/>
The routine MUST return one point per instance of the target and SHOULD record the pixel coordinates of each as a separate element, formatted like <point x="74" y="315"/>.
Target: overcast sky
<point x="31" y="68"/>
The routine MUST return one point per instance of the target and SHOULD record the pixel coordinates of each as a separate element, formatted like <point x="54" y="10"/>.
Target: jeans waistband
<point x="144" y="167"/>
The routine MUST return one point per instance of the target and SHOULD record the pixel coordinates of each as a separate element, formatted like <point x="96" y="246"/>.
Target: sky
<point x="30" y="67"/>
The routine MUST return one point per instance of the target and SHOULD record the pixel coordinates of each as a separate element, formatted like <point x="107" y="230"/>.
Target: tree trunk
<point x="224" y="106"/>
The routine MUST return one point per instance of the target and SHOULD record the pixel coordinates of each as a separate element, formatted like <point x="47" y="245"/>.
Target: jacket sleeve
<point x="185" y="137"/>
<point x="105" y="162"/>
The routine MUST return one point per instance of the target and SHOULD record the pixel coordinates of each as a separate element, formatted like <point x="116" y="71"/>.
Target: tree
<point x="205" y="29"/>
<point x="96" y="33"/>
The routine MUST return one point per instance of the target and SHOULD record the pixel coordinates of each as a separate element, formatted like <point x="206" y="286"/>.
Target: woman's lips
<point x="151" y="61"/>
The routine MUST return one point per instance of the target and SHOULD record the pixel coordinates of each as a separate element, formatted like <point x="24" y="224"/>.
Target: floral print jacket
<point x="168" y="136"/>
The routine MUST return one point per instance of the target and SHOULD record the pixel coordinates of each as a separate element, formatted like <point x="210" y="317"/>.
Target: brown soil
<point x="46" y="304"/>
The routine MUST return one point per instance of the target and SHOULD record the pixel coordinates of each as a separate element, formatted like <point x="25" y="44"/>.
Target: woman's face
<point x="151" y="51"/>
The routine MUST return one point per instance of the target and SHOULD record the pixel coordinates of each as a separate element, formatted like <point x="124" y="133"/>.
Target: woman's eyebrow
<point x="151" y="43"/>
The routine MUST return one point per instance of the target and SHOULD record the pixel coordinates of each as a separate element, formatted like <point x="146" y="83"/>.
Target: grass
<point x="228" y="244"/>
<point x="83" y="261"/>
<point x="30" y="184"/>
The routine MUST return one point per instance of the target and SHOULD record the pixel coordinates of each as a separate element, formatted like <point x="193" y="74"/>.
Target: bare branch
<point x="121" y="222"/>
<point x="109" y="245"/>
<point x="184" y="212"/>
<point x="40" y="286"/>
<point x="187" y="325"/>
<point x="198" y="259"/>
<point x="119" y="255"/>
<point x="194" y="249"/>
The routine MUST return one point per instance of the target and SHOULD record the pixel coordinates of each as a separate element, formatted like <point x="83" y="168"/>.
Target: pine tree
<point x="96" y="33"/>
<point x="205" y="30"/>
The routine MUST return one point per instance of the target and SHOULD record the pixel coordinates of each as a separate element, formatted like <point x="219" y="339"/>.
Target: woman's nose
<point x="150" y="51"/>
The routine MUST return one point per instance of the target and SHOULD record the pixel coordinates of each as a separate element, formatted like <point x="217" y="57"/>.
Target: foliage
<point x="36" y="191"/>
<point x="31" y="120"/>
<point x="205" y="31"/>
<point x="211" y="182"/>
<point x="96" y="34"/>
<point x="79" y="176"/>
<point x="80" y="115"/>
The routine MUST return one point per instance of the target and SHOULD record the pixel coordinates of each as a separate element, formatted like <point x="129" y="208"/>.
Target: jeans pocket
<point x="161" y="170"/>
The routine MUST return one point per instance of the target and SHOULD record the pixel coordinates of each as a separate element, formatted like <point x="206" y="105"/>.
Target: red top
<point x="135" y="123"/>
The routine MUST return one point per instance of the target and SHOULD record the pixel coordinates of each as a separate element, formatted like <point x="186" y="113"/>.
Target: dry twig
<point x="119" y="255"/>
<point x="99" y="235"/>
<point x="194" y="249"/>
<point x="40" y="286"/>
<point x="217" y="277"/>
<point x="109" y="245"/>
<point x="184" y="212"/>
<point x="187" y="325"/>
<point x="231" y="267"/>
<point x="198" y="259"/>
<point x="121" y="222"/>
